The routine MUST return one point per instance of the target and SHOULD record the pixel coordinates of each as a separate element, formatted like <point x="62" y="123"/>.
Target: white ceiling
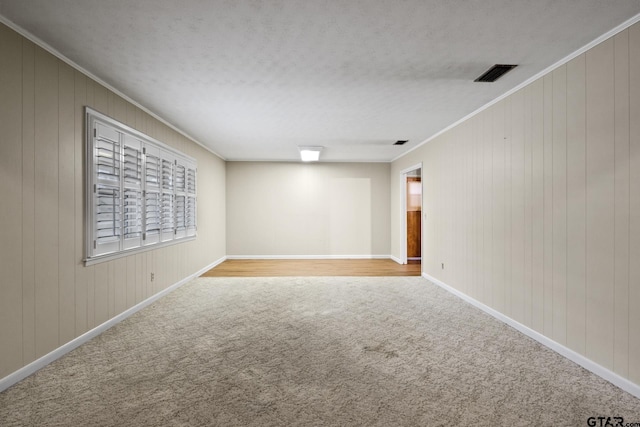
<point x="253" y="79"/>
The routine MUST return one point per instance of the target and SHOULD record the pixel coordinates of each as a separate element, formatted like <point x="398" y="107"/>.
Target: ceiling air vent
<point x="494" y="73"/>
<point x="401" y="142"/>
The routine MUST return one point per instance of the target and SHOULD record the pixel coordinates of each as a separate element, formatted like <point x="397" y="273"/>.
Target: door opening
<point x="414" y="218"/>
<point x="411" y="215"/>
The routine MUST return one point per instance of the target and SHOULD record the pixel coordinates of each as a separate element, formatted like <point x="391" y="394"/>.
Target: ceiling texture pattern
<point x="253" y="80"/>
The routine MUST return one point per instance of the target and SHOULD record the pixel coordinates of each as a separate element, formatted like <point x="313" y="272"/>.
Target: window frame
<point x="117" y="181"/>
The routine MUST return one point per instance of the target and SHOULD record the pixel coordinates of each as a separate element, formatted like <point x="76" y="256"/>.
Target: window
<point x="140" y="192"/>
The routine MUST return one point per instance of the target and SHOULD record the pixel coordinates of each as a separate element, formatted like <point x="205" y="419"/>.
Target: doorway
<point x="414" y="223"/>
<point x="411" y="215"/>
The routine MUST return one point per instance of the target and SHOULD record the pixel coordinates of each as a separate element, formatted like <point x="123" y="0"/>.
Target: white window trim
<point x="119" y="246"/>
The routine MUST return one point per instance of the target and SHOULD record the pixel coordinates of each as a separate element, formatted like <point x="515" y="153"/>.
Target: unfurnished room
<point x="319" y="213"/>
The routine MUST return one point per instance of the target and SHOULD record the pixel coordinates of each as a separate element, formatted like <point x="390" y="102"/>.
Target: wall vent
<point x="401" y="142"/>
<point x="495" y="72"/>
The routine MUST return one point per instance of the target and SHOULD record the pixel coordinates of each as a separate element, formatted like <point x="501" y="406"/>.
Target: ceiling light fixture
<point x="310" y="154"/>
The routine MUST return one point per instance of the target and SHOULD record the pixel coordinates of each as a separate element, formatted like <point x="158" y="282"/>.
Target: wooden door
<point x="414" y="217"/>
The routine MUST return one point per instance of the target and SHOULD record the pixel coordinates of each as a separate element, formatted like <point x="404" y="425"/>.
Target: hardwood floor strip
<point x="312" y="267"/>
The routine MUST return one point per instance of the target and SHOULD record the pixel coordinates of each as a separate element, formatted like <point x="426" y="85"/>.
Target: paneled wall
<point x="533" y="205"/>
<point x="47" y="296"/>
<point x="285" y="209"/>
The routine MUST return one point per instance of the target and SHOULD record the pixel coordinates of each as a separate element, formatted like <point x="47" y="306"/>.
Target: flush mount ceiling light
<point x="310" y="154"/>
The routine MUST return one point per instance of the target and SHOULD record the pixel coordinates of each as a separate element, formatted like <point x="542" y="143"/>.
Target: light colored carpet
<point x="339" y="351"/>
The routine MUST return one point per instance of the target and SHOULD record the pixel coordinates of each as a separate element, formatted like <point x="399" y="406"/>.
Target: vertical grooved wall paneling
<point x="498" y="219"/>
<point x="554" y="208"/>
<point x="559" y="191"/>
<point x="12" y="203"/>
<point x="600" y="203"/>
<point x="48" y="297"/>
<point x="66" y="203"/>
<point x="528" y="226"/>
<point x="487" y="145"/>
<point x="478" y="214"/>
<point x="537" y="205"/>
<point x="576" y="201"/>
<point x="508" y="223"/>
<point x="547" y="204"/>
<point x="621" y="207"/>
<point x="83" y="275"/>
<point x="472" y="225"/>
<point x="517" y="207"/>
<point x="46" y="197"/>
<point x="28" y="203"/>
<point x="634" y="203"/>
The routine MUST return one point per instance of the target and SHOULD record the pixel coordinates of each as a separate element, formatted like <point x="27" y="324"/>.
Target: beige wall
<point x="307" y="209"/>
<point x="47" y="296"/>
<point x="534" y="205"/>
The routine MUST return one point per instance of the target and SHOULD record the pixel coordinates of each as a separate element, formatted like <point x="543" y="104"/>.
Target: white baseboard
<point x="43" y="361"/>
<point x="399" y="261"/>
<point x="396" y="259"/>
<point x="308" y="256"/>
<point x="581" y="360"/>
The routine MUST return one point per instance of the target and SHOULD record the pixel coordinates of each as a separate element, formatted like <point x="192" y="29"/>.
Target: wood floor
<point x="313" y="267"/>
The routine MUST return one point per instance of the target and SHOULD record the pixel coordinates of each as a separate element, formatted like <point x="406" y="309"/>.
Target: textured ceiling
<point x="254" y="79"/>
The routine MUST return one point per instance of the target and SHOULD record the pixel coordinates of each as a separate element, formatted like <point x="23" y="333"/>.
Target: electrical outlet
<point x="152" y="276"/>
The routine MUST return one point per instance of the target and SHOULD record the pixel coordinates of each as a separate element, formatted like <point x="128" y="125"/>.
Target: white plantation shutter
<point x="181" y="222"/>
<point x="180" y="180"/>
<point x="132" y="218"/>
<point x="152" y="195"/>
<point x="191" y="216"/>
<point x="132" y="161"/>
<point x="190" y="208"/>
<point x="181" y="199"/>
<point x="152" y="212"/>
<point x="139" y="192"/>
<point x="132" y="191"/>
<point x="107" y="155"/>
<point x="168" y="197"/>
<point x="166" y="217"/>
<point x="152" y="166"/>
<point x="107" y="218"/>
<point x="191" y="180"/>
